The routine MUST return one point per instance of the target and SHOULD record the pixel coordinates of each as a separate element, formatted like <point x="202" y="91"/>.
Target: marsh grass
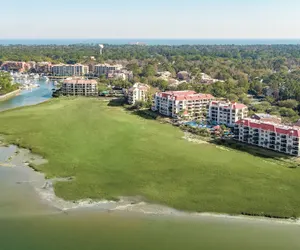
<point x="113" y="153"/>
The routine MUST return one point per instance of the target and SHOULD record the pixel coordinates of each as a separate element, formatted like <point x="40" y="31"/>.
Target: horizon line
<point x="150" y="38"/>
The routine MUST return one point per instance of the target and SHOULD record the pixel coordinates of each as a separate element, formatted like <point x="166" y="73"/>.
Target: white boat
<point x="45" y="78"/>
<point x="34" y="76"/>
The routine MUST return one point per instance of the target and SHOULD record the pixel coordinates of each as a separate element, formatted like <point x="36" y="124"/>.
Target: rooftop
<point x="270" y="126"/>
<point x="185" y="95"/>
<point x="139" y="86"/>
<point x="233" y="105"/>
<point x="79" y="81"/>
<point x="108" y="65"/>
<point x="63" y="64"/>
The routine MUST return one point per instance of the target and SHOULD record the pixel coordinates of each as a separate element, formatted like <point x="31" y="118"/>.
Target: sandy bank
<point x="9" y="95"/>
<point x="11" y="156"/>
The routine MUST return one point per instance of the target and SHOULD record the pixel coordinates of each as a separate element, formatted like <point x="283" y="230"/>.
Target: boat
<point x="45" y="78"/>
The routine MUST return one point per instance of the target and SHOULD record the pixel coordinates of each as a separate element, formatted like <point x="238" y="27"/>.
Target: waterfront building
<point x="188" y="104"/>
<point x="138" y="92"/>
<point x="269" y="135"/>
<point x="15" y="66"/>
<point x="70" y="70"/>
<point x="227" y="113"/>
<point x="43" y="67"/>
<point x="104" y="69"/>
<point x="80" y="87"/>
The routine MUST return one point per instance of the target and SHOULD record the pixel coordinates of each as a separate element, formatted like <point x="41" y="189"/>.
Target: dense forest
<point x="270" y="73"/>
<point x="6" y="84"/>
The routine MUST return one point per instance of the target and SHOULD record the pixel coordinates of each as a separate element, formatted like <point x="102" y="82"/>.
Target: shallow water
<point x="29" y="97"/>
<point x="29" y="222"/>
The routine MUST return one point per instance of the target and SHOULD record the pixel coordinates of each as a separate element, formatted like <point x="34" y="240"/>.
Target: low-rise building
<point x="206" y="79"/>
<point x="120" y="74"/>
<point x="70" y="70"/>
<point x="188" y="104"/>
<point x="183" y="75"/>
<point x="80" y="87"/>
<point x="227" y="113"/>
<point x="273" y="136"/>
<point x="138" y="92"/>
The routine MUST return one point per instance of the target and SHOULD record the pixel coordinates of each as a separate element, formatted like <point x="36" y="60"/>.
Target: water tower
<point x="101" y="46"/>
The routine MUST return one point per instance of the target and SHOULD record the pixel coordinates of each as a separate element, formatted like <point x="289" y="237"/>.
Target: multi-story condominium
<point x="80" y="87"/>
<point x="227" y="113"/>
<point x="43" y="67"/>
<point x="70" y="70"/>
<point x="15" y="66"/>
<point x="274" y="136"/>
<point x="138" y="92"/>
<point x="182" y="103"/>
<point x="104" y="69"/>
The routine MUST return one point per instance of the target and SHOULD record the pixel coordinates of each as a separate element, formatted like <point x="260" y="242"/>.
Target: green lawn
<point x="112" y="153"/>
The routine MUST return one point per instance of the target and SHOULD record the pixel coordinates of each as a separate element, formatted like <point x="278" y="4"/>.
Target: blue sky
<point x="150" y="19"/>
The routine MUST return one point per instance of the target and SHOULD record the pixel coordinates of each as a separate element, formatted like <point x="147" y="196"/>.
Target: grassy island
<point x="113" y="153"/>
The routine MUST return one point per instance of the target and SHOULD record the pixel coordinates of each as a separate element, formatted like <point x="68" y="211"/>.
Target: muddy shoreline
<point x="20" y="159"/>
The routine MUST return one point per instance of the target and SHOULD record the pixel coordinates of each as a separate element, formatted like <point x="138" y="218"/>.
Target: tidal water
<point x="29" y="97"/>
<point x="29" y="222"/>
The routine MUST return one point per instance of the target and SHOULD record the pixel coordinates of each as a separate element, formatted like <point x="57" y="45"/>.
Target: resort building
<point x="277" y="137"/>
<point x="138" y="92"/>
<point x="188" y="104"/>
<point x="70" y="70"/>
<point x="80" y="87"/>
<point x="104" y="69"/>
<point x="16" y="66"/>
<point x="43" y="67"/>
<point x="227" y="113"/>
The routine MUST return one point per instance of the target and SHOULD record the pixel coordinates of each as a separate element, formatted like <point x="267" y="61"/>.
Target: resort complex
<point x="109" y="71"/>
<point x="201" y="111"/>
<point x="177" y="104"/>
<point x="274" y="136"/>
<point x="80" y="87"/>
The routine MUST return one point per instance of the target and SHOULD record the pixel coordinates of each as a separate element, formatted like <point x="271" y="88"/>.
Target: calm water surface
<point x="28" y="223"/>
<point x="29" y="97"/>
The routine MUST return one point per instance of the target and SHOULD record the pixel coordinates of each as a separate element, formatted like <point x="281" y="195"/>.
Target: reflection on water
<point x="29" y="97"/>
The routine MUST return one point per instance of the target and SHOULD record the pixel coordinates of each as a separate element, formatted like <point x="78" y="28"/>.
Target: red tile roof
<point x="238" y="106"/>
<point x="276" y="128"/>
<point x="185" y="95"/>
